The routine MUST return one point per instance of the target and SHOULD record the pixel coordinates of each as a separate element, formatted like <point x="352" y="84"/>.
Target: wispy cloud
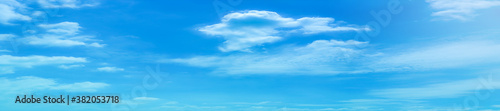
<point x="64" y="28"/>
<point x="110" y="69"/>
<point x="441" y="90"/>
<point x="27" y="84"/>
<point x="246" y="29"/>
<point x="71" y="66"/>
<point x="64" y="34"/>
<point x="318" y="57"/>
<point x="28" y="61"/>
<point x="9" y="62"/>
<point x="443" y="55"/>
<point x="9" y="12"/>
<point x="145" y="99"/>
<point x="460" y="9"/>
<point x="5" y="37"/>
<point x="67" y="3"/>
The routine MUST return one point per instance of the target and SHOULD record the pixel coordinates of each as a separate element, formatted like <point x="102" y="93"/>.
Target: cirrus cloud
<point x="9" y="12"/>
<point x="67" y="3"/>
<point x="8" y="62"/>
<point x="64" y="34"/>
<point x="26" y="84"/>
<point x="318" y="57"/>
<point x="110" y="69"/>
<point x="459" y="9"/>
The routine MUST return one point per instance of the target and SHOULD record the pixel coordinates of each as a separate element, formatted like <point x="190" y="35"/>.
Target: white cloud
<point x="5" y="37"/>
<point x="80" y="87"/>
<point x="52" y="40"/>
<point x="27" y="84"/>
<point x="453" y="54"/>
<point x="110" y="69"/>
<point x="9" y="62"/>
<point x="64" y="34"/>
<point x="3" y="50"/>
<point x="67" y="3"/>
<point x="460" y="9"/>
<point x="442" y="90"/>
<point x="318" y="57"/>
<point x="29" y="61"/>
<point x="65" y="28"/>
<point x="246" y="29"/>
<point x="6" y="70"/>
<point x="145" y="99"/>
<point x="463" y="53"/>
<point x="9" y="12"/>
<point x="71" y="66"/>
<point x="96" y="45"/>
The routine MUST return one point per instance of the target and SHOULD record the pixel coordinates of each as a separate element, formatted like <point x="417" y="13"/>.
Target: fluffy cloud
<point x="8" y="62"/>
<point x="110" y="69"/>
<point x="64" y="34"/>
<point x="27" y="84"/>
<point x="318" y="57"/>
<point x="243" y="30"/>
<point x="67" y="3"/>
<point x="460" y="9"/>
<point x="9" y="12"/>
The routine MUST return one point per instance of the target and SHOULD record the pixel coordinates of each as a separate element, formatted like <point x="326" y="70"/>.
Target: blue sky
<point x="242" y="55"/>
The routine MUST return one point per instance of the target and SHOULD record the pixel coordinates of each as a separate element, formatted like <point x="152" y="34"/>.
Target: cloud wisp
<point x="67" y="3"/>
<point x="8" y="62"/>
<point x="110" y="69"/>
<point x="10" y="12"/>
<point x="459" y="9"/>
<point x="24" y="84"/>
<point x="64" y="34"/>
<point x="318" y="57"/>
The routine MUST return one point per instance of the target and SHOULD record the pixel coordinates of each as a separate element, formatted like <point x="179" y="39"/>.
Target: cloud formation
<point x="441" y="90"/>
<point x="5" y="37"/>
<point x="27" y="84"/>
<point x="64" y="34"/>
<point x="110" y="69"/>
<point x="145" y="99"/>
<point x="8" y="62"/>
<point x="67" y="3"/>
<point x="443" y="55"/>
<point x="243" y="30"/>
<point x="460" y="9"/>
<point x="318" y="57"/>
<point x="71" y="66"/>
<point x="9" y="12"/>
